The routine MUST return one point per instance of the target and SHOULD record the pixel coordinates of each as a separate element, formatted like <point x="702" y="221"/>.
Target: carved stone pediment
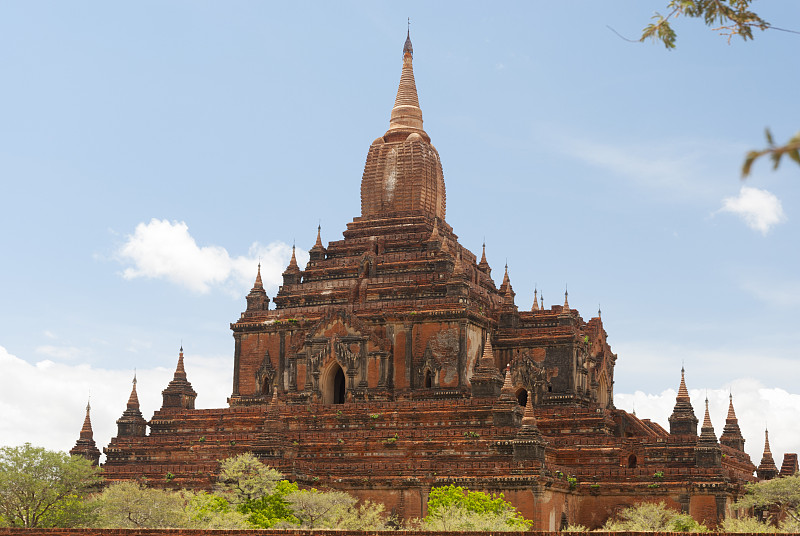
<point x="265" y="374"/>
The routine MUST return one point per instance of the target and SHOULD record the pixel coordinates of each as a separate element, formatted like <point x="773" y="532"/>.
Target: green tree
<point x="209" y="511"/>
<point x="272" y="510"/>
<point x="131" y="505"/>
<point x="652" y="517"/>
<point x="244" y="478"/>
<point x="316" y="509"/>
<point x="43" y="488"/>
<point x="744" y="524"/>
<point x="729" y="17"/>
<point x="781" y="494"/>
<point x="453" y="508"/>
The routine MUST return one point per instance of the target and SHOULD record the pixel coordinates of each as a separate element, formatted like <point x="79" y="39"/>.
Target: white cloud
<point x="59" y="352"/>
<point x="760" y="209"/>
<point x="162" y="249"/>
<point x="756" y="406"/>
<point x="44" y="403"/>
<point x="677" y="166"/>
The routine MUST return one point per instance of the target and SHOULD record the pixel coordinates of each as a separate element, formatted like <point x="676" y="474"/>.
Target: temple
<point x="392" y="363"/>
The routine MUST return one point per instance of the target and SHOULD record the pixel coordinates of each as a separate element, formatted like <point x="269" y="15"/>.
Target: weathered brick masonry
<point x="378" y="371"/>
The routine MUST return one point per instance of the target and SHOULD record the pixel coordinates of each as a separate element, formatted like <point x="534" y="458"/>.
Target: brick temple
<point x="393" y="363"/>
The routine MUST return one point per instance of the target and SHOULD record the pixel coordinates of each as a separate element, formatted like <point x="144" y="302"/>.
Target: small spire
<point x="435" y="232"/>
<point x="599" y="312"/>
<point x="541" y="298"/>
<point x="133" y="400"/>
<point x="258" y="285"/>
<point x="767" y="469"/>
<point x="707" y="418"/>
<point x="566" y="300"/>
<point x="318" y="243"/>
<point x="683" y="392"/>
<point x="292" y="268"/>
<point x="86" y="429"/>
<point x="180" y="372"/>
<point x="528" y="418"/>
<point x="731" y="413"/>
<point x="407" y="48"/>
<point x="483" y="253"/>
<point x="507" y="386"/>
<point x="488" y="352"/>
<point x="535" y="300"/>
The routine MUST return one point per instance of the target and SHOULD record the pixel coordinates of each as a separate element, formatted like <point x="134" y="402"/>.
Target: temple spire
<point x="257" y="299"/>
<point x="317" y="251"/>
<point x="731" y="434"/>
<point x="258" y="285"/>
<point x="133" y="399"/>
<point x="707" y="430"/>
<point x="535" y="300"/>
<point x="131" y="423"/>
<point x="179" y="393"/>
<point x="85" y="446"/>
<point x="318" y="243"/>
<point x="406" y="115"/>
<point x="683" y="420"/>
<point x="566" y="308"/>
<point x="767" y="469"/>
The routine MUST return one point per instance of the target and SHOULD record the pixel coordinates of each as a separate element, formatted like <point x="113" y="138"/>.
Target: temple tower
<point x="85" y="446"/>
<point x="767" y="470"/>
<point x="683" y="420"/>
<point x="731" y="434"/>
<point x="403" y="174"/>
<point x="179" y="393"/>
<point x="131" y="423"/>
<point x="708" y="452"/>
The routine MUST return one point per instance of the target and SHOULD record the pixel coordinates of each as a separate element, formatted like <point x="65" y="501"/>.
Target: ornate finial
<point x="407" y="48"/>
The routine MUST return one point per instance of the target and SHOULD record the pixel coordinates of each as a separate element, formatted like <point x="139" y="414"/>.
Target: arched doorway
<point x="428" y="379"/>
<point x="602" y="394"/>
<point x="333" y="386"/>
<point x="632" y="461"/>
<point x="522" y="397"/>
<point x="266" y="387"/>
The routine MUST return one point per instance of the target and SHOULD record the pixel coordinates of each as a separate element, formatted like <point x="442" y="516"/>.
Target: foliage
<point x="775" y="152"/>
<point x="208" y="511"/>
<point x="316" y="509"/>
<point x="271" y="510"/>
<point x="244" y="478"/>
<point x="575" y="528"/>
<point x="131" y="505"/>
<point x="454" y="508"/>
<point x="744" y="524"/>
<point x="652" y="517"/>
<point x="781" y="493"/>
<point x="42" y="488"/>
<point x="729" y="17"/>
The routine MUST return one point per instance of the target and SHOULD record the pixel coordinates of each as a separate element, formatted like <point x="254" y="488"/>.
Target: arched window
<point x="632" y="461"/>
<point x="428" y="379"/>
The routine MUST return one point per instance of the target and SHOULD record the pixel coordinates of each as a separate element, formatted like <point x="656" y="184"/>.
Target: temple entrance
<point x="333" y="386"/>
<point x="428" y="379"/>
<point x="266" y="388"/>
<point x="522" y="397"/>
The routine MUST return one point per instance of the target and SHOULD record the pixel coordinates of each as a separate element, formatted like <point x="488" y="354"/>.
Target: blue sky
<point x="151" y="152"/>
